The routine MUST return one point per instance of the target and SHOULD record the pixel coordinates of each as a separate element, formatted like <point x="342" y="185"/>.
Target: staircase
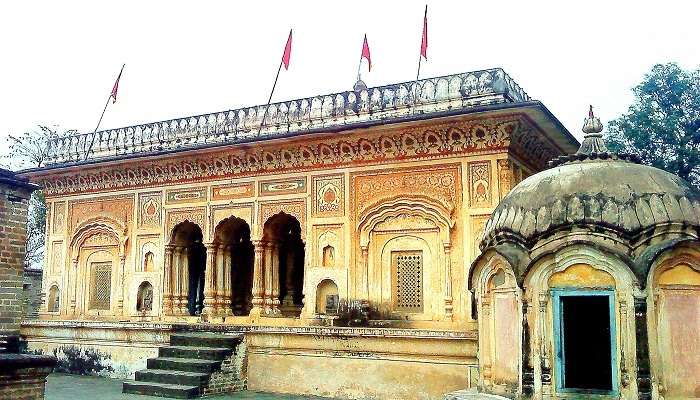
<point x="193" y="365"/>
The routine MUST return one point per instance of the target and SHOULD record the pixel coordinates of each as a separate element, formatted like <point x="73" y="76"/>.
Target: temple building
<point x="370" y="244"/>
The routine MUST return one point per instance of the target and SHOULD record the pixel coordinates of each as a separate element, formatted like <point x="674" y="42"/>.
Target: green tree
<point x="30" y="150"/>
<point x="662" y="126"/>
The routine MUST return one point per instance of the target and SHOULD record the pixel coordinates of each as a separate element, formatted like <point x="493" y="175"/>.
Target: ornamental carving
<point x="118" y="208"/>
<point x="149" y="209"/>
<point x="56" y="256"/>
<point x="405" y="222"/>
<point x="196" y="215"/>
<point x="59" y="217"/>
<point x="457" y="136"/>
<point x="480" y="184"/>
<point x="283" y="186"/>
<point x="328" y="198"/>
<point x="295" y="208"/>
<point x="179" y="196"/>
<point x="233" y="191"/>
<point x="506" y="179"/>
<point x="100" y="239"/>
<point x="477" y="225"/>
<point x="439" y="184"/>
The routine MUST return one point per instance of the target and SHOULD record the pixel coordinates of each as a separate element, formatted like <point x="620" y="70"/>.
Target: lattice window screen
<point x="101" y="285"/>
<point x="407" y="274"/>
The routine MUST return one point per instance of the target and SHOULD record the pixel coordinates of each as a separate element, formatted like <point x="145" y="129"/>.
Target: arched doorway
<point x="234" y="267"/>
<point x="284" y="273"/>
<point x="188" y="263"/>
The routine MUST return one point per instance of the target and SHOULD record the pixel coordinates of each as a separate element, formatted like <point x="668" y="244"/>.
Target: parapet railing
<point x="451" y="92"/>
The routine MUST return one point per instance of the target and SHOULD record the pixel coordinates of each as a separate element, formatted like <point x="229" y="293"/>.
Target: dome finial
<point x="593" y="140"/>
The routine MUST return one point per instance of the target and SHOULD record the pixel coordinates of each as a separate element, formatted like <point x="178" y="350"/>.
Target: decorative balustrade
<point x="425" y="96"/>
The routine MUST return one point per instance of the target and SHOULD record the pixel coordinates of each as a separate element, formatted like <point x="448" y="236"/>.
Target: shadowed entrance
<point x="188" y="273"/>
<point x="232" y="240"/>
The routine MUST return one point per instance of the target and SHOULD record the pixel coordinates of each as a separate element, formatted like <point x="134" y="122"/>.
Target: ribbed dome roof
<point x="595" y="187"/>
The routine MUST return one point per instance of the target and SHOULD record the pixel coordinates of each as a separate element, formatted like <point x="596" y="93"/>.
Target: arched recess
<point x="232" y="276"/>
<point x="184" y="272"/>
<point x="579" y="270"/>
<point x="283" y="265"/>
<point x="674" y="322"/>
<point x="498" y="300"/>
<point x="144" y="298"/>
<point x="147" y="262"/>
<point x="53" y="304"/>
<point x="408" y="235"/>
<point x="329" y="251"/>
<point x="327" y="296"/>
<point x="97" y="253"/>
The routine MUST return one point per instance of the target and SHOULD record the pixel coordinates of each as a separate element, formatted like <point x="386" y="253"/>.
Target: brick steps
<point x="184" y="369"/>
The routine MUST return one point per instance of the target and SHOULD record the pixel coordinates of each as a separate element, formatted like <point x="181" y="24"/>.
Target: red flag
<point x="287" y="51"/>
<point x="115" y="88"/>
<point x="365" y="53"/>
<point x="424" y="40"/>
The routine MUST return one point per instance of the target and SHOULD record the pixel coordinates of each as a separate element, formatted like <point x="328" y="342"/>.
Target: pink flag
<point x="287" y="51"/>
<point x="115" y="88"/>
<point x="365" y="53"/>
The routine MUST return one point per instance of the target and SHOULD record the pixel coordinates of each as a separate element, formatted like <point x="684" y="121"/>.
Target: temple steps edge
<point x="172" y="377"/>
<point x="161" y="389"/>
<point x="203" y="353"/>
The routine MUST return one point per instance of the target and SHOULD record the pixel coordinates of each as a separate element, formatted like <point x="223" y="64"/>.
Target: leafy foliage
<point x="662" y="126"/>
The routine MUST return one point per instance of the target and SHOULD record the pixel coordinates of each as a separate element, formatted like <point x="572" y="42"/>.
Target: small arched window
<point x="148" y="262"/>
<point x="329" y="256"/>
<point x="144" y="297"/>
<point x="54" y="299"/>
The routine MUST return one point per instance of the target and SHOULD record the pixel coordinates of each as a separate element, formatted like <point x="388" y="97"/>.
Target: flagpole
<point x="262" y="122"/>
<point x="420" y="58"/>
<point x="94" y="133"/>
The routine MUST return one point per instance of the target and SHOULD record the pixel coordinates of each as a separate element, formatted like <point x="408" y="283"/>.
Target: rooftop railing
<point x="432" y="95"/>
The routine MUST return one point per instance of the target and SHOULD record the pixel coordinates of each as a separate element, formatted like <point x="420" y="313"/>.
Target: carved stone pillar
<point x="184" y="281"/>
<point x="220" y="274"/>
<point x="267" y="302"/>
<point x="167" y="281"/>
<point x="364" y="274"/>
<point x="545" y="362"/>
<point x="74" y="286"/>
<point x="228" y="265"/>
<point x="258" y="278"/>
<point x="448" y="281"/>
<point x="275" y="254"/>
<point x="485" y="343"/>
<point x="644" y="388"/>
<point x="121" y="284"/>
<point x="177" y="265"/>
<point x="209" y="279"/>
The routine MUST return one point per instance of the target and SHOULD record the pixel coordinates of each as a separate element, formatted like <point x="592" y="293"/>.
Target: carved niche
<point x="328" y="196"/>
<point x="56" y="257"/>
<point x="149" y="210"/>
<point x="438" y="183"/>
<point x="59" y="217"/>
<point x="478" y="222"/>
<point x="118" y="208"/>
<point x="480" y="184"/>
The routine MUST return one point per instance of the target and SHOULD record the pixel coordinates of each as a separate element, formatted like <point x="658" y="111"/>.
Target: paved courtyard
<point x="75" y="387"/>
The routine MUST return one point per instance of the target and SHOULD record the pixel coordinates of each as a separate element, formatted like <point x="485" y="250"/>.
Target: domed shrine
<point x="589" y="281"/>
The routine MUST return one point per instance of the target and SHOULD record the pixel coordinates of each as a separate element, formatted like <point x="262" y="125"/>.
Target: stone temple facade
<point x="336" y="232"/>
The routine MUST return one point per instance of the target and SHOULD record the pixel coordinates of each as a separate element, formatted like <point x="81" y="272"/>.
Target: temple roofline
<point x="426" y="98"/>
<point x="566" y="140"/>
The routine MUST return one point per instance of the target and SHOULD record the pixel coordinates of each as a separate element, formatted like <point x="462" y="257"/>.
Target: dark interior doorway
<point x="586" y="341"/>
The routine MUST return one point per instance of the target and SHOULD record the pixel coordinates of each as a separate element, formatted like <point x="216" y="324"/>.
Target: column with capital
<point x="209" y="280"/>
<point x="267" y="297"/>
<point x="364" y="275"/>
<point x="177" y="279"/>
<point x="448" y="281"/>
<point x="167" y="281"/>
<point x="227" y="281"/>
<point x="258" y="278"/>
<point x="275" y="256"/>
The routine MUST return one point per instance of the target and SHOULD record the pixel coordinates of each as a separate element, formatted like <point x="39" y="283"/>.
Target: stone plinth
<point x="22" y="377"/>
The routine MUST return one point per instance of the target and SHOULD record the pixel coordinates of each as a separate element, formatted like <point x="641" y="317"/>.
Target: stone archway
<point x="186" y="261"/>
<point x="284" y="265"/>
<point x="232" y="258"/>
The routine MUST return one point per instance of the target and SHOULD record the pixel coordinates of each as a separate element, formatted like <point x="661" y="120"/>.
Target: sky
<point x="59" y="60"/>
